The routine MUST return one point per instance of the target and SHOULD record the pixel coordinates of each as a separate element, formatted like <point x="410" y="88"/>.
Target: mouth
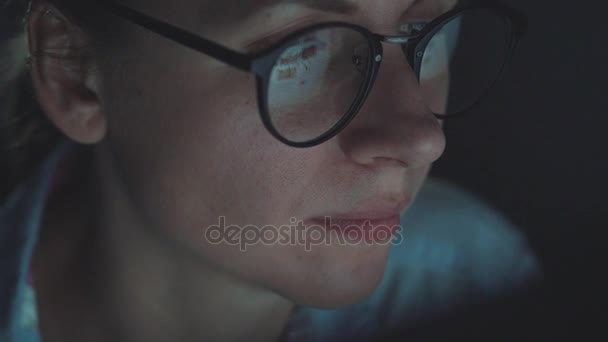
<point x="374" y="220"/>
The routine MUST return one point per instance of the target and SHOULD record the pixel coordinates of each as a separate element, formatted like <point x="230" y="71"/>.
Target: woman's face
<point x="185" y="133"/>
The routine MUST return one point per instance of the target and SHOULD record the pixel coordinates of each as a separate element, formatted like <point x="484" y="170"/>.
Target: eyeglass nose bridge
<point x="404" y="41"/>
<point x="399" y="40"/>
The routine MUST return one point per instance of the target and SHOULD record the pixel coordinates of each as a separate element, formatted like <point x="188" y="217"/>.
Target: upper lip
<point x="377" y="208"/>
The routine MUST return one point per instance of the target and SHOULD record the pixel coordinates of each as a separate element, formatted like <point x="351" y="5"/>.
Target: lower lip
<point x="361" y="230"/>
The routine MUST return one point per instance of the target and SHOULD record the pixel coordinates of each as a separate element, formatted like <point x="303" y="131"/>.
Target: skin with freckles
<point x="177" y="142"/>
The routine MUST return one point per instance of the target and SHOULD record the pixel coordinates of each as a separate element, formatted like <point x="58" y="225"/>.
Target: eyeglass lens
<point x="320" y="76"/>
<point x="462" y="60"/>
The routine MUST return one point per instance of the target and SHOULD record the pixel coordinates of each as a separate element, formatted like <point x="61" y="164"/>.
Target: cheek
<point x="193" y="148"/>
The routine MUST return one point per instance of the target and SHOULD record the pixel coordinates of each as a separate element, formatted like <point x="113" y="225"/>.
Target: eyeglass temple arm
<point x="210" y="48"/>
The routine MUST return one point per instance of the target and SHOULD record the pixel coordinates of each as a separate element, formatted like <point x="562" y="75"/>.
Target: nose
<point x="394" y="126"/>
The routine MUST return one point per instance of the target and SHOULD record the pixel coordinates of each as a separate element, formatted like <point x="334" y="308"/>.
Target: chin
<point x="343" y="280"/>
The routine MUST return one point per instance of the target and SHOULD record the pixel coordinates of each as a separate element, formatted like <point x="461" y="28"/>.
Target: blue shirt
<point x="455" y="251"/>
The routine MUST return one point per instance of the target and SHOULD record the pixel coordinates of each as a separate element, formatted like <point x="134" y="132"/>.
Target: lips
<point x="376" y="219"/>
<point x="374" y="209"/>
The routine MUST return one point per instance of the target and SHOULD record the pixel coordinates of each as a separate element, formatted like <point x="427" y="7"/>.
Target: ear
<point x="64" y="76"/>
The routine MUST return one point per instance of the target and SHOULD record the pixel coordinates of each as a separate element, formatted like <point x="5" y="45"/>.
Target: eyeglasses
<point x="312" y="83"/>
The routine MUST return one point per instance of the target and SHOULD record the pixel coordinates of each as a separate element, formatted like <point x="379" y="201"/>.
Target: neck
<point x="136" y="285"/>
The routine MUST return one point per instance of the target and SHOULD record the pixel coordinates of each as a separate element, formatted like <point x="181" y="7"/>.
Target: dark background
<point x="537" y="151"/>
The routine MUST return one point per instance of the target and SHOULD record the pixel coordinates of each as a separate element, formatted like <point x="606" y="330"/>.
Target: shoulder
<point x="451" y="230"/>
<point x="454" y="250"/>
<point x="20" y="216"/>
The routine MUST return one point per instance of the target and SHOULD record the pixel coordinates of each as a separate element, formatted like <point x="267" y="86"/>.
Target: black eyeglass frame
<point x="262" y="64"/>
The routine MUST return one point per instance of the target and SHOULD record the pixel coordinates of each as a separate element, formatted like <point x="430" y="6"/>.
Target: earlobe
<point x="63" y="77"/>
